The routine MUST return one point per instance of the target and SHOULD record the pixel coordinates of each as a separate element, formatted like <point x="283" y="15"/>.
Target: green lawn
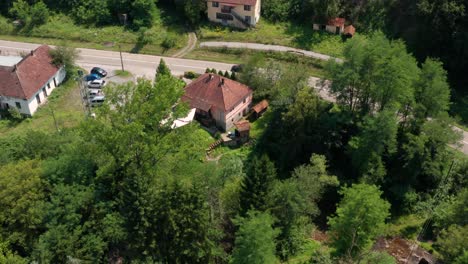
<point x="238" y="56"/>
<point x="61" y="28"/>
<point x="66" y="104"/>
<point x="286" y="34"/>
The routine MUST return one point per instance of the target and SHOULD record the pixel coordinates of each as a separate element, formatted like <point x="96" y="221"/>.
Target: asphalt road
<point x="138" y="64"/>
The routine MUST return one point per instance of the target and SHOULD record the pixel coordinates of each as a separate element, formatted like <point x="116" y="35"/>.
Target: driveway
<point x="256" y="46"/>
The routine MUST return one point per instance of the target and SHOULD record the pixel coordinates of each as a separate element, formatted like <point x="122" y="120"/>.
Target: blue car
<point x="92" y="77"/>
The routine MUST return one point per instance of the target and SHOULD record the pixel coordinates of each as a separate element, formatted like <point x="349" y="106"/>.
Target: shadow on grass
<point x="459" y="108"/>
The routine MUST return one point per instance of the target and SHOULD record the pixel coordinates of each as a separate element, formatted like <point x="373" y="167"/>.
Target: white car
<point x="98" y="84"/>
<point x="95" y="92"/>
<point x="97" y="100"/>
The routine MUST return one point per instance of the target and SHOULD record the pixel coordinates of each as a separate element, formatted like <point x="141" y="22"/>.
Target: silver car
<point x="97" y="84"/>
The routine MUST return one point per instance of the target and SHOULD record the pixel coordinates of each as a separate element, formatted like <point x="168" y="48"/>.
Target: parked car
<point x="237" y="67"/>
<point x="98" y="84"/>
<point x="99" y="71"/>
<point x="92" y="77"/>
<point x="97" y="100"/>
<point x="95" y="92"/>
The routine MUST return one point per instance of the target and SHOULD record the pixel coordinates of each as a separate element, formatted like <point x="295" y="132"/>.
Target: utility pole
<point x="121" y="60"/>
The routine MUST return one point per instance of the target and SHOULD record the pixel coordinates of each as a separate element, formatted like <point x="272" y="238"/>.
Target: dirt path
<point x="192" y="42"/>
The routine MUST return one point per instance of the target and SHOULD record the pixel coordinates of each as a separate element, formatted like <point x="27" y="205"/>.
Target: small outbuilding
<point x="242" y="131"/>
<point x="334" y="25"/>
<point x="349" y="31"/>
<point x="260" y="108"/>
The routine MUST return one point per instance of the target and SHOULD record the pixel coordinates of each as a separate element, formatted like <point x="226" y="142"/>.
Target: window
<point x="215" y="4"/>
<point x="247" y="19"/>
<point x="18" y="105"/>
<point x="44" y="92"/>
<point x="38" y="99"/>
<point x="48" y="85"/>
<point x="246" y="7"/>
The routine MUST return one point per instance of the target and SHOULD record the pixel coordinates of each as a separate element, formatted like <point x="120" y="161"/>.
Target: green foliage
<point x="432" y="90"/>
<point x="162" y="69"/>
<point x="360" y="217"/>
<point x="168" y="42"/>
<point x="256" y="184"/>
<point x="8" y="257"/>
<point x="255" y="240"/>
<point x="143" y="13"/>
<point x="39" y="14"/>
<point x="21" y="195"/>
<point x="378" y="257"/>
<point x="452" y="242"/>
<point x="64" y="55"/>
<point x="190" y="75"/>
<point x="193" y="10"/>
<point x="376" y="139"/>
<point x="91" y="12"/>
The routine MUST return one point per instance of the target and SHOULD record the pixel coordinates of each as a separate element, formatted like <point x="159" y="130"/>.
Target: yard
<point x="64" y="102"/>
<point x="286" y="34"/>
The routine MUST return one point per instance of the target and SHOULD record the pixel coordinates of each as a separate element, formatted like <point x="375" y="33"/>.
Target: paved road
<point x="256" y="46"/>
<point x="140" y="65"/>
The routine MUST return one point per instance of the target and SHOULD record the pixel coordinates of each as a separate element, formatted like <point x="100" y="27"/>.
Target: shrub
<point x="168" y="42"/>
<point x="190" y="75"/>
<point x="5" y="27"/>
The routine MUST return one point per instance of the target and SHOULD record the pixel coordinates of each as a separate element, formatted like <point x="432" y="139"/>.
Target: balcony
<point x="226" y="9"/>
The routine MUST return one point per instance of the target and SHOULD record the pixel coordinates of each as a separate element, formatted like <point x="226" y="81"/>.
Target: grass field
<point x="238" y="56"/>
<point x="61" y="28"/>
<point x="65" y="102"/>
<point x="285" y="34"/>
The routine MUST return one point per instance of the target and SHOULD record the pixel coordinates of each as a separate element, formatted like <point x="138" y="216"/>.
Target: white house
<point x="236" y="13"/>
<point x="25" y="85"/>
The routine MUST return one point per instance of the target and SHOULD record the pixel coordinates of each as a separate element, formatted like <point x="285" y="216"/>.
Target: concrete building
<point x="235" y="13"/>
<point x="25" y="83"/>
<point x="334" y="25"/>
<point x="218" y="98"/>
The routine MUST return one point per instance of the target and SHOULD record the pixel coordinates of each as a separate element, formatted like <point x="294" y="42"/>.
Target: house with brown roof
<point x="333" y="25"/>
<point x="27" y="84"/>
<point x="218" y="98"/>
<point x="235" y="13"/>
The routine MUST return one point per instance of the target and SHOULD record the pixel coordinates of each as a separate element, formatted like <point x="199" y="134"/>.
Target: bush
<point x="191" y="75"/>
<point x="168" y="42"/>
<point x="5" y="27"/>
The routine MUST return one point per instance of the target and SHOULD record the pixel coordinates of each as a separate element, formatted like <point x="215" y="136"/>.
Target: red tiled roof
<point x="237" y="2"/>
<point x="215" y="91"/>
<point x="242" y="125"/>
<point x="349" y="30"/>
<point x="336" y="22"/>
<point x="28" y="76"/>
<point x="260" y="106"/>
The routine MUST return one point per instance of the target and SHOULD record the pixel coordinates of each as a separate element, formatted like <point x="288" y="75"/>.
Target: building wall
<point x="29" y="107"/>
<point x="254" y="13"/>
<point x="238" y="112"/>
<point x="331" y="29"/>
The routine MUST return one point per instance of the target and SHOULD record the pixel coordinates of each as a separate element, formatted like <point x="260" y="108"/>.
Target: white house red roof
<point x="236" y="2"/>
<point x="211" y="90"/>
<point x="28" y="76"/>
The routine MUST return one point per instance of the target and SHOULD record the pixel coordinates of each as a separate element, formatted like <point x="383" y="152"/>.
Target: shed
<point x="260" y="108"/>
<point x="349" y="31"/>
<point x="242" y="130"/>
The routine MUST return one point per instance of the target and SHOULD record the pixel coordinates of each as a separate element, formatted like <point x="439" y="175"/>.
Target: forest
<point x="379" y="162"/>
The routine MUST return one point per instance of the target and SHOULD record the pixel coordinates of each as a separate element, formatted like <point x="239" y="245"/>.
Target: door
<point x="44" y="92"/>
<point x="338" y="30"/>
<point x="55" y="82"/>
<point x="38" y="99"/>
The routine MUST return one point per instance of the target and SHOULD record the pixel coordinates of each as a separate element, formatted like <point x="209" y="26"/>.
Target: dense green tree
<point x="64" y="55"/>
<point x="193" y="10"/>
<point x="256" y="184"/>
<point x="162" y="69"/>
<point x="377" y="73"/>
<point x="95" y="12"/>
<point x="9" y="257"/>
<point x="21" y="195"/>
<point x="377" y="137"/>
<point x="39" y="14"/>
<point x="255" y="240"/>
<point x="452" y="242"/>
<point x="360" y="217"/>
<point x="182" y="225"/>
<point x="432" y="93"/>
<point x="143" y="13"/>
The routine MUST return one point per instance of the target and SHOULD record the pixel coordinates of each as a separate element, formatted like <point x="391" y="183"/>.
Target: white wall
<point x="29" y="107"/>
<point x="254" y="13"/>
<point x="237" y="113"/>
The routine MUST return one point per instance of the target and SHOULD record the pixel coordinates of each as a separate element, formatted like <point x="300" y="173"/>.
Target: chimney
<point x="32" y="52"/>
<point x="211" y="76"/>
<point x="222" y="81"/>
